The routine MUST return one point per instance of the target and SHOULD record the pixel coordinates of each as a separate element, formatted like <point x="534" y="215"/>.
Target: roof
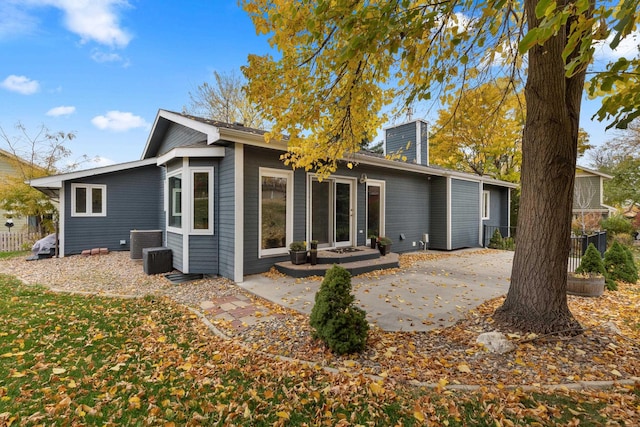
<point x="593" y="172"/>
<point x="213" y="132"/>
<point x="51" y="184"/>
<point x="219" y="133"/>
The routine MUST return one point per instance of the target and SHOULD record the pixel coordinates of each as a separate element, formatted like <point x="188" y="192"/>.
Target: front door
<point x="331" y="213"/>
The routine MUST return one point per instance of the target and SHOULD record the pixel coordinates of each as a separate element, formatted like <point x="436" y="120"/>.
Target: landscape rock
<point x="495" y="342"/>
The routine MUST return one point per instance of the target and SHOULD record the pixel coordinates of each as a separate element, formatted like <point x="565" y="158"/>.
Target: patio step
<point x="355" y="267"/>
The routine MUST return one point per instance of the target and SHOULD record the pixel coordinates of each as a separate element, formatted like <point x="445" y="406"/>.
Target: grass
<point x="75" y="360"/>
<point x="13" y="254"/>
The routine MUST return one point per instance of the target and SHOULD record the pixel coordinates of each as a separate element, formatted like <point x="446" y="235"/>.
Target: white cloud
<point x="98" y="161"/>
<point x="627" y="48"/>
<point x="99" y="56"/>
<point x="61" y="111"/>
<point x="92" y="20"/>
<point x="119" y="121"/>
<point x="15" y="21"/>
<point x="21" y="84"/>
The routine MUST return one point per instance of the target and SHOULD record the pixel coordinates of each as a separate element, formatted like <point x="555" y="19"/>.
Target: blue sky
<point x="103" y="68"/>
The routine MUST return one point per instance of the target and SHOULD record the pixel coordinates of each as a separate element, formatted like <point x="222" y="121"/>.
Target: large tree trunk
<point x="537" y="299"/>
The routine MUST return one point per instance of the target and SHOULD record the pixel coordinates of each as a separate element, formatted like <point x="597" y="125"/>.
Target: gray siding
<point x="438" y="211"/>
<point x="254" y="158"/>
<point x="134" y="198"/>
<point x="396" y="140"/>
<point x="498" y="207"/>
<point x="180" y="136"/>
<point x="225" y="224"/>
<point x="174" y="242"/>
<point x="203" y="254"/>
<point x="465" y="214"/>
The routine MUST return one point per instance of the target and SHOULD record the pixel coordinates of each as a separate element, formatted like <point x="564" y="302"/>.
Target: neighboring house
<point x="227" y="204"/>
<point x="588" y="195"/>
<point x="8" y="169"/>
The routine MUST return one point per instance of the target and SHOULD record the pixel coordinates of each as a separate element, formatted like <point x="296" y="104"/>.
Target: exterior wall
<point x="465" y="214"/>
<point x="20" y="224"/>
<point x="254" y="159"/>
<point x="438" y="210"/>
<point x="498" y="206"/>
<point x="225" y="218"/>
<point x="203" y="254"/>
<point x="134" y="198"/>
<point x="174" y="242"/>
<point x="180" y="136"/>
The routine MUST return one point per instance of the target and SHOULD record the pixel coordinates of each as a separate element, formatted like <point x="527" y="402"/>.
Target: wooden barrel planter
<point x="585" y="286"/>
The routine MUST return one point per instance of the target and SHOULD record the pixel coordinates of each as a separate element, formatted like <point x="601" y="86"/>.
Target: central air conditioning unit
<point x="141" y="239"/>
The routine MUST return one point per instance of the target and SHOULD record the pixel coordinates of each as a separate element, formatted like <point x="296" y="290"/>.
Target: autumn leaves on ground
<point x="77" y="360"/>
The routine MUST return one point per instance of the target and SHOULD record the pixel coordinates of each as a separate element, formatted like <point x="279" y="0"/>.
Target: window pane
<point x="175" y="201"/>
<point x="343" y="212"/>
<point x="96" y="200"/>
<point x="81" y="200"/>
<point x="274" y="212"/>
<point x="200" y="200"/>
<point x="373" y="211"/>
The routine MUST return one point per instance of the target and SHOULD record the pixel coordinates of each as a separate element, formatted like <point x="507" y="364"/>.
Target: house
<point x="588" y="194"/>
<point x="227" y="205"/>
<point x="9" y="168"/>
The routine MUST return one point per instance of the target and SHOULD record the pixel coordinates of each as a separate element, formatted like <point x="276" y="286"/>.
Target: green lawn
<point x="74" y="360"/>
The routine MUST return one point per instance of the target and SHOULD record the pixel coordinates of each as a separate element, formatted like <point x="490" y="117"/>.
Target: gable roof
<point x="50" y="185"/>
<point x="593" y="172"/>
<point x="214" y="132"/>
<point x="221" y="133"/>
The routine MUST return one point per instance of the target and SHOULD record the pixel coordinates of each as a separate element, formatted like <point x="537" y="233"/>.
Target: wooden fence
<point x="17" y="241"/>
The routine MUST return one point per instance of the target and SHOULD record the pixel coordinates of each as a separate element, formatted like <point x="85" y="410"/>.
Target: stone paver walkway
<point x="238" y="311"/>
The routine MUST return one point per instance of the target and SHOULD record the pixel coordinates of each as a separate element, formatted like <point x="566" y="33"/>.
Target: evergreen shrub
<point x="335" y="319"/>
<point x="619" y="266"/>
<point x="591" y="262"/>
<point x="496" y="242"/>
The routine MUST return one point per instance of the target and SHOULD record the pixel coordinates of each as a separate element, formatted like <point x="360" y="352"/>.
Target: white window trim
<point x="485" y="208"/>
<point x="192" y="172"/>
<point x="288" y="175"/>
<point x="89" y="212"/>
<point x="172" y="229"/>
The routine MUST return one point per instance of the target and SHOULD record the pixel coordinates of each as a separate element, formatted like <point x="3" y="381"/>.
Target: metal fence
<point x="17" y="241"/>
<point x="579" y="246"/>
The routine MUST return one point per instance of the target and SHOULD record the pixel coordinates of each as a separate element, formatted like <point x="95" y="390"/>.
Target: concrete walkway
<point x="430" y="294"/>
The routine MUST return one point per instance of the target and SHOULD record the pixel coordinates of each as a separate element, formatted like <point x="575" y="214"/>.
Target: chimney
<point x="414" y="133"/>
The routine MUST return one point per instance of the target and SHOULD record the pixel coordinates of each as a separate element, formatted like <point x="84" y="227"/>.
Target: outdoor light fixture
<point x="9" y="224"/>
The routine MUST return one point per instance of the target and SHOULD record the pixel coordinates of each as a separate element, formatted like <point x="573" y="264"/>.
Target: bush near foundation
<point x="335" y="319"/>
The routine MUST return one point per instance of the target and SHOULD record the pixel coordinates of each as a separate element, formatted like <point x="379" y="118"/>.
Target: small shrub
<point x="384" y="241"/>
<point x="591" y="262"/>
<point x="334" y="318"/>
<point x="298" y="246"/>
<point x="509" y="243"/>
<point x="624" y="239"/>
<point x="619" y="266"/>
<point x="616" y="224"/>
<point x="496" y="242"/>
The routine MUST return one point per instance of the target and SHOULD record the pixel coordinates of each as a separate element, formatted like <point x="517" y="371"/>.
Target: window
<point x="88" y="200"/>
<point x="175" y="201"/>
<point x="192" y="213"/>
<point x="486" y="204"/>
<point x="275" y="211"/>
<point x="202" y="202"/>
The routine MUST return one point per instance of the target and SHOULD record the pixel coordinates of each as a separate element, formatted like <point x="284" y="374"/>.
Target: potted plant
<point x="314" y="244"/>
<point x="384" y="245"/>
<point x="298" y="252"/>
<point x="373" y="240"/>
<point x="588" y="279"/>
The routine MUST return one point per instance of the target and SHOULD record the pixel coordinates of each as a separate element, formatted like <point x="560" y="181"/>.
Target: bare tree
<point x="583" y="194"/>
<point x="224" y="100"/>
